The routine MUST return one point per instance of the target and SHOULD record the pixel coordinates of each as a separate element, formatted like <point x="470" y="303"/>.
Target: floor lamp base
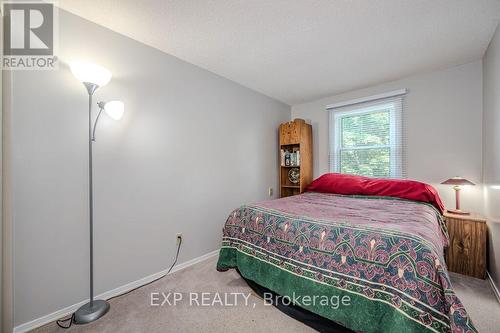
<point x="86" y="314"/>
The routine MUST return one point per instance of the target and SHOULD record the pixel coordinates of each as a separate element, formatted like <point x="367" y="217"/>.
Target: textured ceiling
<point x="299" y="50"/>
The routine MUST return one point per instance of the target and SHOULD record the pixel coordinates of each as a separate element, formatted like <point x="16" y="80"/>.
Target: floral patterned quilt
<point x="385" y="254"/>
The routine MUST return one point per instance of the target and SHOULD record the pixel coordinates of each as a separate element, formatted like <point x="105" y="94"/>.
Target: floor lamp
<point x="93" y="77"/>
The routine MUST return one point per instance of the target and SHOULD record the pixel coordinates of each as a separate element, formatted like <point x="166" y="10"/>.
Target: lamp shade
<point x="90" y="73"/>
<point x="457" y="180"/>
<point x="115" y="109"/>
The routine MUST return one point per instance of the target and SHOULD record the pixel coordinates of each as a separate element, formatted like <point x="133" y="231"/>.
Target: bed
<point x="385" y="253"/>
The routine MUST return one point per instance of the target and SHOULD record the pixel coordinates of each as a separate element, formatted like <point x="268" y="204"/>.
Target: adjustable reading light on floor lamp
<point x="93" y="77"/>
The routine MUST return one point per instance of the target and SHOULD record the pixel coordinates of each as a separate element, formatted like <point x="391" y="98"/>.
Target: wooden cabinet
<point x="466" y="253"/>
<point x="295" y="136"/>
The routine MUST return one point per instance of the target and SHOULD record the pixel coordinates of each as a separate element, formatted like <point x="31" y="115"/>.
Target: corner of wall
<point x="5" y="210"/>
<point x="490" y="155"/>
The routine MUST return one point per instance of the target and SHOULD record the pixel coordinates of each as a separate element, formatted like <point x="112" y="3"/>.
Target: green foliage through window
<point x="368" y="129"/>
<point x="371" y="162"/>
<point x="365" y="144"/>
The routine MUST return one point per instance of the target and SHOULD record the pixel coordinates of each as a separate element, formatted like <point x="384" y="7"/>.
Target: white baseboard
<point x="494" y="287"/>
<point x="108" y="294"/>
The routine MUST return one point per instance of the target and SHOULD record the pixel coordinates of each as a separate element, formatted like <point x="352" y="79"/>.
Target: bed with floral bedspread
<point x="386" y="254"/>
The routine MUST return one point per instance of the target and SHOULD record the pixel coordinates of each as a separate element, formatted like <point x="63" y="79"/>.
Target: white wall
<point x="191" y="147"/>
<point x="442" y="122"/>
<point x="6" y="240"/>
<point x="491" y="151"/>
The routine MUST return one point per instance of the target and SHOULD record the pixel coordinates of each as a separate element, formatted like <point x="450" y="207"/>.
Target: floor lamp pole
<point x="93" y="310"/>
<point x="91" y="203"/>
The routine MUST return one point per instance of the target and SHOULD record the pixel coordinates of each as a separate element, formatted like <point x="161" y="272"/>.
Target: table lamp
<point x="457" y="182"/>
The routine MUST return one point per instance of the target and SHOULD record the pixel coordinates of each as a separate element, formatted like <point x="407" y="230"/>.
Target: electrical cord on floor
<point x="63" y="323"/>
<point x="161" y="277"/>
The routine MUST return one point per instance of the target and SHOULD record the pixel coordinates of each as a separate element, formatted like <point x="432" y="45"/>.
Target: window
<point x="366" y="137"/>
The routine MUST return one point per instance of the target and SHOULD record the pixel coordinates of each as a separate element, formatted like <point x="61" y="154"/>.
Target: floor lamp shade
<point x="90" y="73"/>
<point x="114" y="109"/>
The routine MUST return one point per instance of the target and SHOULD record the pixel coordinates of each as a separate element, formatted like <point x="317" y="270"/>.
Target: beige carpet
<point x="133" y="312"/>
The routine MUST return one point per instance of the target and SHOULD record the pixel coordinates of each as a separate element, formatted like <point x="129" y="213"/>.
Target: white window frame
<point x="395" y="106"/>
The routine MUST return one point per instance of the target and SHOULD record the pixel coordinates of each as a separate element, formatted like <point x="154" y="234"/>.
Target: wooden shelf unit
<point x="297" y="135"/>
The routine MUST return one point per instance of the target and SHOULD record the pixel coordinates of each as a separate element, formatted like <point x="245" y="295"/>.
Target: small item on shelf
<point x="282" y="157"/>
<point x="287" y="158"/>
<point x="298" y="158"/>
<point x="294" y="157"/>
<point x="294" y="175"/>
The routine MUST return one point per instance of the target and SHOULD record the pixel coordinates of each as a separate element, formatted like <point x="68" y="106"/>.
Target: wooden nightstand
<point x="468" y="242"/>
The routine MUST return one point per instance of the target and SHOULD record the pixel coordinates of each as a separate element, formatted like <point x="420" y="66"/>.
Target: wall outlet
<point x="270" y="191"/>
<point x="178" y="238"/>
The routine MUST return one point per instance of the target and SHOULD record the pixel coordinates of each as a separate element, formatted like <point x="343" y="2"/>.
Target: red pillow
<point x="358" y="185"/>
